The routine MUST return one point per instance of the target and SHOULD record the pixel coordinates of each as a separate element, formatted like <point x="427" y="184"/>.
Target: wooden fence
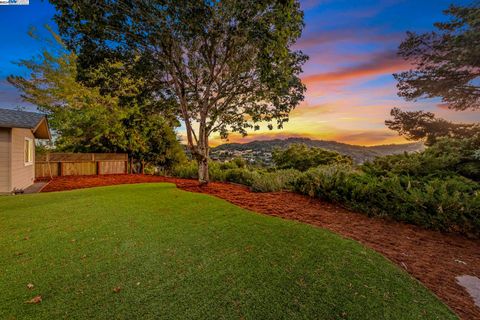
<point x="76" y="164"/>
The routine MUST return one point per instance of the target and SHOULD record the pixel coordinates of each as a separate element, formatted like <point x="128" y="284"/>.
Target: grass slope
<point x="179" y="255"/>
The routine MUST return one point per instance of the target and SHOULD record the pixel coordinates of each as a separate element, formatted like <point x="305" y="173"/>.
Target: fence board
<point x="70" y="157"/>
<point x="42" y="170"/>
<point x="112" y="167"/>
<point x="70" y="164"/>
<point x="79" y="168"/>
<point x="111" y="157"/>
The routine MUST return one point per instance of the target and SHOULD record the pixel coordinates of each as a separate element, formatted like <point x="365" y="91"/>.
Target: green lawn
<point x="179" y="255"/>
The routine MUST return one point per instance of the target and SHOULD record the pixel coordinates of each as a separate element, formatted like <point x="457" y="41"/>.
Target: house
<point x="18" y="131"/>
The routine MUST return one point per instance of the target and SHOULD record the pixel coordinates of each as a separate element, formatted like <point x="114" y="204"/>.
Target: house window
<point x="28" y="151"/>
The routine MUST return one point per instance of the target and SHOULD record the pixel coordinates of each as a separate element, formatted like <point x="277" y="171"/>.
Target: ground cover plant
<point x="153" y="251"/>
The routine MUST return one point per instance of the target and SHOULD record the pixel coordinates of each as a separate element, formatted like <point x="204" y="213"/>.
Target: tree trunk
<point x="131" y="165"/>
<point x="202" y="156"/>
<point x="203" y="177"/>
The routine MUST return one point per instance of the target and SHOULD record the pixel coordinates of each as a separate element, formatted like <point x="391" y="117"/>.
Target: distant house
<point x="18" y="131"/>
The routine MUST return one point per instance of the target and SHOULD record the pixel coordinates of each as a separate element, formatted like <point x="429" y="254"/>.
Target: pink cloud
<point x="379" y="64"/>
<point x="443" y="106"/>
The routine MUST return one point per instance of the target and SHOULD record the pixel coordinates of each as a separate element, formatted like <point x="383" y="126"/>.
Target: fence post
<point x="95" y="162"/>
<point x="60" y="169"/>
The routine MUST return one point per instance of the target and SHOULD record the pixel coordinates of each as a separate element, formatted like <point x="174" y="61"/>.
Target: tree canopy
<point x="420" y="125"/>
<point x="446" y="158"/>
<point x="447" y="61"/>
<point x="227" y="64"/>
<point x="85" y="119"/>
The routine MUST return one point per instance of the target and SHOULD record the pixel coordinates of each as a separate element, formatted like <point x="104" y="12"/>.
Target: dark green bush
<point x="446" y="158"/>
<point x="450" y="204"/>
<point x="302" y="157"/>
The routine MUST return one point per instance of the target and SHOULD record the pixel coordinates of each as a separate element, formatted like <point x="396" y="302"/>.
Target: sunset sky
<point x="352" y="47"/>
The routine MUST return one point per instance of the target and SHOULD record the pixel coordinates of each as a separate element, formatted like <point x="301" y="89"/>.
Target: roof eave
<point x="42" y="130"/>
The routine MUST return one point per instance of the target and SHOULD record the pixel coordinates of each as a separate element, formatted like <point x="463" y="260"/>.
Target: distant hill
<point x="261" y="150"/>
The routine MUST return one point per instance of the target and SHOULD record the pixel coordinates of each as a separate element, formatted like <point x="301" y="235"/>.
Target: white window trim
<point x="32" y="150"/>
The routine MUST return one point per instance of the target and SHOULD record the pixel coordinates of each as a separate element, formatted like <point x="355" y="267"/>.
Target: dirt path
<point x="434" y="258"/>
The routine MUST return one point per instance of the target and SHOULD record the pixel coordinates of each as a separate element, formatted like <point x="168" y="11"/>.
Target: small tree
<point x="228" y="64"/>
<point x="447" y="61"/>
<point x="420" y="125"/>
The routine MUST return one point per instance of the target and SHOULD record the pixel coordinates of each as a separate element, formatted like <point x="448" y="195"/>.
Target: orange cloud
<point x="305" y="109"/>
<point x="369" y="138"/>
<point x="443" y="106"/>
<point x="384" y="63"/>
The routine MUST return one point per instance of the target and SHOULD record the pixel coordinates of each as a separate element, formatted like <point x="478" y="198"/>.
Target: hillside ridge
<point x="261" y="149"/>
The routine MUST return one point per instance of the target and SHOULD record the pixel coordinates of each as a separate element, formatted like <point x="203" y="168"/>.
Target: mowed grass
<point x="179" y="255"/>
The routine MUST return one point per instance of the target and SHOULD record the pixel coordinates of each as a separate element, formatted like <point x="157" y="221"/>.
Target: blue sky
<point x="351" y="44"/>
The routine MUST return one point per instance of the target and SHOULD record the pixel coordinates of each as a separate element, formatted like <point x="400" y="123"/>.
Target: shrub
<point x="186" y="170"/>
<point x="258" y="180"/>
<point x="448" y="204"/>
<point x="275" y="181"/>
<point x="242" y="176"/>
<point x="446" y="158"/>
<point x="302" y="157"/>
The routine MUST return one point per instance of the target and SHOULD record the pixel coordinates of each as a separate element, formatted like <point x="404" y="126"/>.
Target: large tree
<point x="228" y="64"/>
<point x="420" y="125"/>
<point x="85" y="119"/>
<point x="447" y="61"/>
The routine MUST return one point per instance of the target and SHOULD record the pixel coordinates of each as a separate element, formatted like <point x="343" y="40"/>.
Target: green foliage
<point x="302" y="157"/>
<point x="162" y="149"/>
<point x="446" y="60"/>
<point x="242" y="176"/>
<point x="185" y="170"/>
<point x="420" y="125"/>
<point x="228" y="65"/>
<point x="92" y="119"/>
<point x="278" y="180"/>
<point x="446" y="204"/>
<point x="237" y="162"/>
<point x="258" y="180"/>
<point x="448" y="157"/>
<point x="437" y="188"/>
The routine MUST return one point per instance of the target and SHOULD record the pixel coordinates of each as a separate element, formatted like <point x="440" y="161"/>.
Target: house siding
<point x="23" y="175"/>
<point x="5" y="154"/>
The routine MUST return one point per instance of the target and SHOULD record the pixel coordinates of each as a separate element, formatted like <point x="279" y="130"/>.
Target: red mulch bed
<point x="432" y="257"/>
